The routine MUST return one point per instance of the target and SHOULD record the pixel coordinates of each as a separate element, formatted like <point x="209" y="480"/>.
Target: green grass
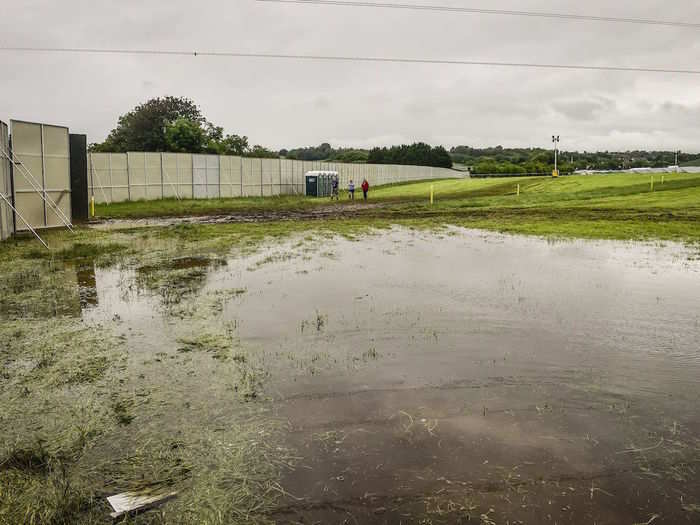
<point x="188" y="207"/>
<point x="591" y="206"/>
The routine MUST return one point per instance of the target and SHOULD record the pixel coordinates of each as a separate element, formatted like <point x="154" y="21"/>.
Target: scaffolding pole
<point x="35" y="186"/>
<point x="7" y="201"/>
<point x="96" y="177"/>
<point x="165" y="174"/>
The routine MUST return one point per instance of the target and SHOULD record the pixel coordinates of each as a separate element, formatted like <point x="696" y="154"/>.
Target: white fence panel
<point x="252" y="178"/>
<point x="43" y="164"/>
<point x="177" y="175"/>
<point x="230" y="173"/>
<point x="199" y="176"/>
<point x="120" y="177"/>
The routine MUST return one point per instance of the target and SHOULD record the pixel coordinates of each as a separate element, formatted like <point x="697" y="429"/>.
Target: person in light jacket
<point x="351" y="190"/>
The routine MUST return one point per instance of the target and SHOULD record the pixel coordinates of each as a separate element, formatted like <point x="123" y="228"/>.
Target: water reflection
<point x="408" y="359"/>
<point x="87" y="286"/>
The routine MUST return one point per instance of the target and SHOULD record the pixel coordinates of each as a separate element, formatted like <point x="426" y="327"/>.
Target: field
<point x="291" y="360"/>
<point x="604" y="206"/>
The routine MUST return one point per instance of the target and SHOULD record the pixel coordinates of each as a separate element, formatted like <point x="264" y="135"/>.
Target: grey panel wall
<point x="231" y="169"/>
<point x="177" y="175"/>
<point x="252" y="178"/>
<point x="44" y="154"/>
<point x="206" y="176"/>
<point x="145" y="176"/>
<point x="117" y="177"/>
<point x="6" y="223"/>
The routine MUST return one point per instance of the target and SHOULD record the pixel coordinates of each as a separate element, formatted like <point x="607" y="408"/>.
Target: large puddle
<point x="459" y="377"/>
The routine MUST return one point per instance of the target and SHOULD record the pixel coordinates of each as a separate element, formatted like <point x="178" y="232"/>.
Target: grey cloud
<point x="286" y="104"/>
<point x="586" y="109"/>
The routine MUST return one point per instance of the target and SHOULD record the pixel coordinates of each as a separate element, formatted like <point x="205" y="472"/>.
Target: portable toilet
<point x="312" y="184"/>
<point x="323" y="185"/>
<point x="320" y="183"/>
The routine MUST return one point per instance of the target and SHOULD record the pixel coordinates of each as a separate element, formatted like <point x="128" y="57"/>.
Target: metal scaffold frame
<point x="27" y="174"/>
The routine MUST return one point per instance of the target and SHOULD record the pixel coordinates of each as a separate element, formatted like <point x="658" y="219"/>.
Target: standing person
<point x="351" y="190"/>
<point x="365" y="188"/>
<point x="334" y="186"/>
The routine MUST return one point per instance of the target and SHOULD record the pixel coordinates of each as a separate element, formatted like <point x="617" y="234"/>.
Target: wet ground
<point x="327" y="211"/>
<point x="458" y="377"/>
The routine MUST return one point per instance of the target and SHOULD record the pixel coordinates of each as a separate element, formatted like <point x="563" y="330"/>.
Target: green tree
<point x="235" y="145"/>
<point x="185" y="136"/>
<point x="261" y="152"/>
<point x="144" y="127"/>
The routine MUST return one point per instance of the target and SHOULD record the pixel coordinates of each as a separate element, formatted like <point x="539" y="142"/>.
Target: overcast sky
<point x="286" y="104"/>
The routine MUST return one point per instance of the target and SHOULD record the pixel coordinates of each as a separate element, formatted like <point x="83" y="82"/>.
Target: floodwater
<point x="459" y="377"/>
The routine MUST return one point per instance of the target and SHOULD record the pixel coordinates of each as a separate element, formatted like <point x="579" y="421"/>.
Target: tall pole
<point x="555" y="140"/>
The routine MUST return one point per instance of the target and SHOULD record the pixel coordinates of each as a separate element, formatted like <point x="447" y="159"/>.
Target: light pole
<point x="677" y="153"/>
<point x="555" y="140"/>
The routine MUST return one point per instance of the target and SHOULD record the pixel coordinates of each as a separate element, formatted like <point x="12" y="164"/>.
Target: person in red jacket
<point x="365" y="188"/>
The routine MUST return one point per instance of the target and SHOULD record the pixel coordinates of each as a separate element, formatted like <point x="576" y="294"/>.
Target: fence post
<point x="128" y="179"/>
<point x="111" y="182"/>
<point x="145" y="175"/>
<point x="162" y="188"/>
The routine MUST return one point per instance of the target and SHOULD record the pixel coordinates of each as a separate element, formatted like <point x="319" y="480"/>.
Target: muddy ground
<point x="330" y="211"/>
<point x="403" y="377"/>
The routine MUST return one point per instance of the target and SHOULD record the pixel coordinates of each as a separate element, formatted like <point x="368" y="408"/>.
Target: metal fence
<point x="6" y="221"/>
<point x="118" y="177"/>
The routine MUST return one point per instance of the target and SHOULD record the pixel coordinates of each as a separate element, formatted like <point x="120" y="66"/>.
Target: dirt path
<point x="321" y="212"/>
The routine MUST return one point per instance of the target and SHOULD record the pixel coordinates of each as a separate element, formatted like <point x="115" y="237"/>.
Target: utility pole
<point x="555" y="140"/>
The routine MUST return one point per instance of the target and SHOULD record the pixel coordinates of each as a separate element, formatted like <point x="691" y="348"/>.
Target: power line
<point x="484" y="11"/>
<point x="340" y="58"/>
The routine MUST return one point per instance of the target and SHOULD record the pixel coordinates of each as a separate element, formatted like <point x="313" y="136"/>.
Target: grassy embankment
<point x="594" y="206"/>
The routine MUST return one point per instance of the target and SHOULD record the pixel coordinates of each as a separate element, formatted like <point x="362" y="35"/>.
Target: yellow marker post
<point x="432" y="194"/>
<point x="662" y="179"/>
<point x="518" y="190"/>
<point x="92" y="206"/>
<point x="555" y="173"/>
<point x="652" y="183"/>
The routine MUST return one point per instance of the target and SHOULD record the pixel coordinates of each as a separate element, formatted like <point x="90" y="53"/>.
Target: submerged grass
<point x="75" y="411"/>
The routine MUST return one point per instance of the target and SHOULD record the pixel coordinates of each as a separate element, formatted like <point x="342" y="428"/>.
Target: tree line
<point x="176" y="124"/>
<point x="417" y="154"/>
<point x="326" y="152"/>
<point x="500" y="160"/>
